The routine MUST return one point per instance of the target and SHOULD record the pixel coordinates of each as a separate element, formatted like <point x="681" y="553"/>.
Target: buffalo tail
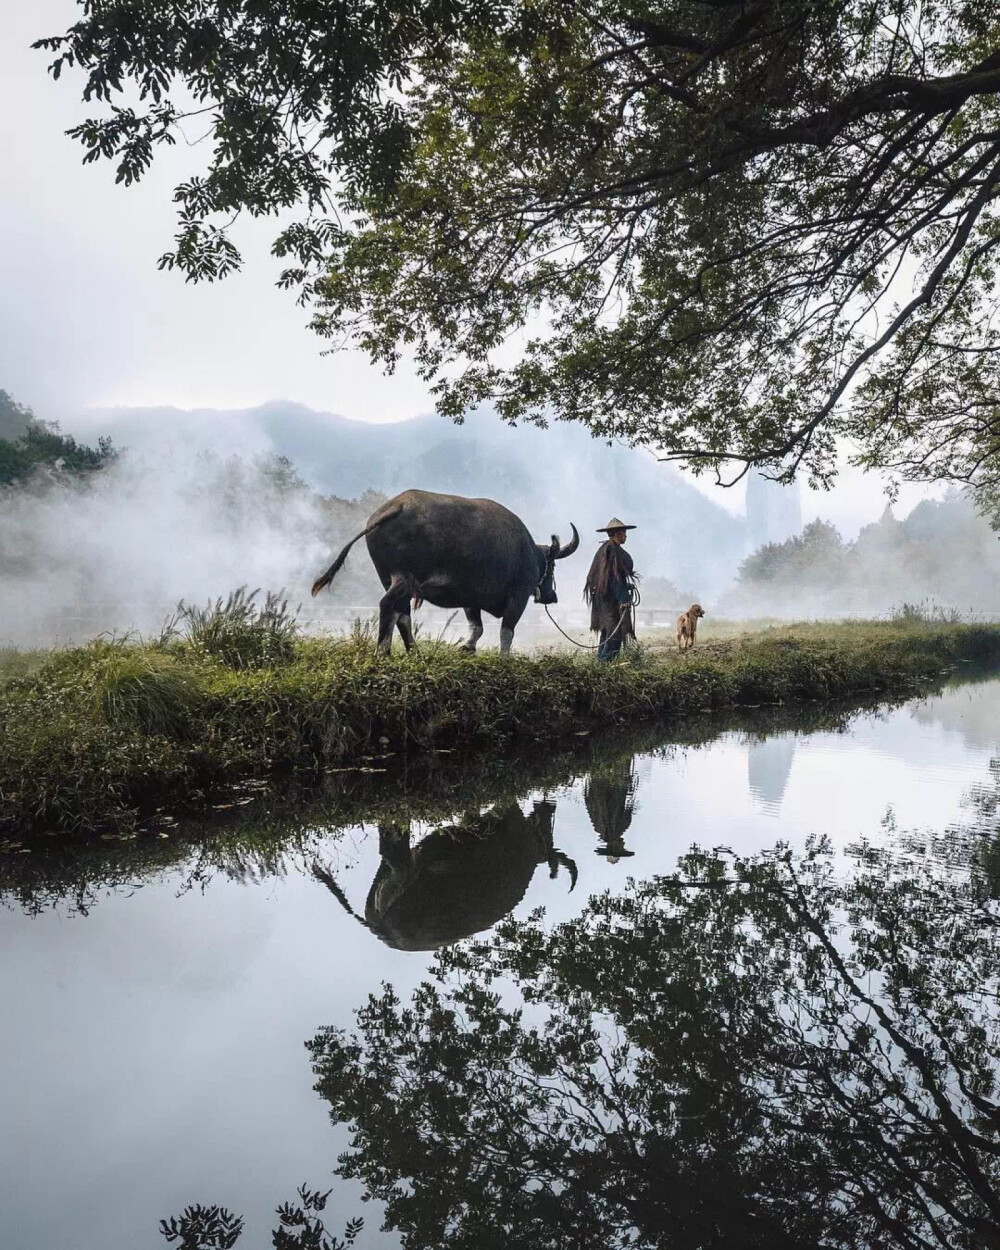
<point x="321" y="583"/>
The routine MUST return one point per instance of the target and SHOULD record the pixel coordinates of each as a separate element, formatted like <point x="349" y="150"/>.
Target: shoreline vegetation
<point x="260" y="830"/>
<point x="104" y="738"/>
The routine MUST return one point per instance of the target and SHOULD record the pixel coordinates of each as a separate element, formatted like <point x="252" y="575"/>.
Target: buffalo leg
<point x="475" y="619"/>
<point x="394" y="845"/>
<point x="508" y="622"/>
<point x="405" y="627"/>
<point x="393" y="604"/>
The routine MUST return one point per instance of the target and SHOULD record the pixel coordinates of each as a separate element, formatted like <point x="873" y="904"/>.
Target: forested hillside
<point x="28" y="444"/>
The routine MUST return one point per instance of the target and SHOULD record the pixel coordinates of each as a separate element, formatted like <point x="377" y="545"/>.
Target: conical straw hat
<point x="614" y="524"/>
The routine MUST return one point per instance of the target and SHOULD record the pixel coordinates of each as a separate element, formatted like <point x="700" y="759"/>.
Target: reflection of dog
<point x="687" y="624"/>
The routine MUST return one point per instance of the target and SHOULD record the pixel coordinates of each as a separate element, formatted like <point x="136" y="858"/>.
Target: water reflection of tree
<point x="748" y="1053"/>
<point x="984" y="802"/>
<point x="969" y="848"/>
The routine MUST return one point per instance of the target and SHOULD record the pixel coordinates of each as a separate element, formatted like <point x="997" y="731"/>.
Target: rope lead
<point x="633" y="601"/>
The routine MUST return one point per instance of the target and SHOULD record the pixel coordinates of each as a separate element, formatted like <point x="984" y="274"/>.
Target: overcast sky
<point x="87" y="320"/>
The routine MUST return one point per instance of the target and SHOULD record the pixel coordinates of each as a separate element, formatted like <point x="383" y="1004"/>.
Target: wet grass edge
<point x="100" y="737"/>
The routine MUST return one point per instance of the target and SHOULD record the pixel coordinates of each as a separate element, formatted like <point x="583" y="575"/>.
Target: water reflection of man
<point x="609" y="797"/>
<point x="610" y="590"/>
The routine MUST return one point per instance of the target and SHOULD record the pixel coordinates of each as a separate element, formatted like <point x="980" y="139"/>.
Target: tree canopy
<point x="300" y="1226"/>
<point x="737" y="231"/>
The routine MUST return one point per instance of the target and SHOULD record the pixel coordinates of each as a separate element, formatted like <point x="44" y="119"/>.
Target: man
<point x="610" y="590"/>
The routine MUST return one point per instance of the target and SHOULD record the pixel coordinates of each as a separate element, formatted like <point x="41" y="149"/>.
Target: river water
<point x="156" y="1011"/>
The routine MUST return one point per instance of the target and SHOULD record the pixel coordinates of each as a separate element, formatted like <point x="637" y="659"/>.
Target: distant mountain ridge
<point x="548" y="476"/>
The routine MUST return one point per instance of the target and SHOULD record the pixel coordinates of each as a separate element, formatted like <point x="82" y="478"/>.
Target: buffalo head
<point x="545" y="591"/>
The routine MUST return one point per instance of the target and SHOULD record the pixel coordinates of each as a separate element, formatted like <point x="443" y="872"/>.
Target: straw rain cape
<point x="610" y="585"/>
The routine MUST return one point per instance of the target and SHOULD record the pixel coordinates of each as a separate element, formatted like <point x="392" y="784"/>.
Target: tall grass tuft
<point x="148" y="691"/>
<point x="241" y="632"/>
<point x="926" y="612"/>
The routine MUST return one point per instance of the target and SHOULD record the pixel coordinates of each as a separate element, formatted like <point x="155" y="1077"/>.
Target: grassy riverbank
<point x="258" y="830"/>
<point x="101" y="736"/>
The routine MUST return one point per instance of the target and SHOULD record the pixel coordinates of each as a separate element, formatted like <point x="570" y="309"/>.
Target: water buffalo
<point x="458" y="880"/>
<point x="473" y="554"/>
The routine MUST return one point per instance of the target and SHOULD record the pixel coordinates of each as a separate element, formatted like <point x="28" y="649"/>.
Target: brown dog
<point x="687" y="625"/>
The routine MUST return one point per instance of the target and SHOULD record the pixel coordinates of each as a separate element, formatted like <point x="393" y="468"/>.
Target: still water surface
<point x="152" y="1053"/>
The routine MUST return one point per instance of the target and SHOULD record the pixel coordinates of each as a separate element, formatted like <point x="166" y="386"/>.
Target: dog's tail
<point x="321" y="583"/>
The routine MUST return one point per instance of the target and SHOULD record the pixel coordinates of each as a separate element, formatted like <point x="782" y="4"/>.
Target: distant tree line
<point x="943" y="550"/>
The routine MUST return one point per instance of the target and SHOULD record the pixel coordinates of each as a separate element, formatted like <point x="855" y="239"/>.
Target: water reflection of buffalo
<point x="458" y="880"/>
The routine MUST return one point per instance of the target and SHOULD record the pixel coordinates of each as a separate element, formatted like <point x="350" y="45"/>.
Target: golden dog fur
<point x="687" y="625"/>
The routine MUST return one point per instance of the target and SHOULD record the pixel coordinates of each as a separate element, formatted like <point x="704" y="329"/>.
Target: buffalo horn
<point x="571" y="546"/>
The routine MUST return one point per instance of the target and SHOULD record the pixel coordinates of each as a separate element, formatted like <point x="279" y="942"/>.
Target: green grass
<point x="100" y="736"/>
<point x="15" y="663"/>
<point x="239" y="631"/>
<point x="147" y="691"/>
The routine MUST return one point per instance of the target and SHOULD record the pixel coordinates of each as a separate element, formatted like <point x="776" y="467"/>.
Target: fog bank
<point x="116" y="550"/>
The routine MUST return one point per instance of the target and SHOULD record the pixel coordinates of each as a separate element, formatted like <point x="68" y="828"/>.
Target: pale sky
<point x="87" y="320"/>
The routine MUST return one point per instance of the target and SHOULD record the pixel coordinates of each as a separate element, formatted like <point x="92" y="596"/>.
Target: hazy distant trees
<point x="92" y="539"/>
<point x="815" y="556"/>
<point x="944" y="550"/>
<point x="14" y="417"/>
<point x="28" y="444"/>
<point x="661" y="592"/>
<point x="734" y="231"/>
<point x="267" y="494"/>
